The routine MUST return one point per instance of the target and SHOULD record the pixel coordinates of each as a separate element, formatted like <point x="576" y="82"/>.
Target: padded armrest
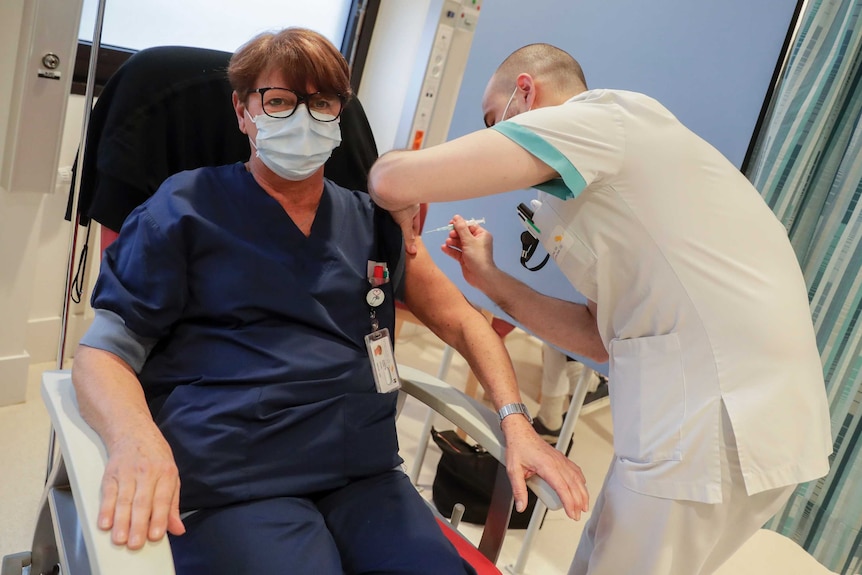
<point x="475" y="419"/>
<point x="85" y="457"/>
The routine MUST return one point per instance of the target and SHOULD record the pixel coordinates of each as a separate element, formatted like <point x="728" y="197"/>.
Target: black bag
<point x="466" y="475"/>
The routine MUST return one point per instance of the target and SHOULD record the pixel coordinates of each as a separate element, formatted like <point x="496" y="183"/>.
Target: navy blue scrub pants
<point x="378" y="524"/>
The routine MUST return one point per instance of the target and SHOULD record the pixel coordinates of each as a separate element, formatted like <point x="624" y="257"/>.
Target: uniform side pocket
<point x="647" y="388"/>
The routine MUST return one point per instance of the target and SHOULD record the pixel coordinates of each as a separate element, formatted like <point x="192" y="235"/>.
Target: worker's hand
<point x="140" y="491"/>
<point x="408" y="220"/>
<point x="527" y="454"/>
<point x="472" y="246"/>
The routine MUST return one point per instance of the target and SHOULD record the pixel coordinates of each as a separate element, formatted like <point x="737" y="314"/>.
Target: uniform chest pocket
<point x="575" y="260"/>
<point x="572" y="255"/>
<point x="647" y="387"/>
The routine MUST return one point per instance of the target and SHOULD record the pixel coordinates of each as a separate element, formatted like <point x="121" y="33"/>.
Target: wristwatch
<point x="511" y="408"/>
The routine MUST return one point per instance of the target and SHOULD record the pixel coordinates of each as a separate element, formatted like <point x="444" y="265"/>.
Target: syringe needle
<point x="450" y="227"/>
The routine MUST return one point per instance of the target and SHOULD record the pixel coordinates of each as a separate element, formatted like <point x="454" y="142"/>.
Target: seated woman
<point x="237" y="316"/>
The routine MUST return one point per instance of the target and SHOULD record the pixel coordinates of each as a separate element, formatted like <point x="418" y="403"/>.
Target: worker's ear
<point x="526" y="91"/>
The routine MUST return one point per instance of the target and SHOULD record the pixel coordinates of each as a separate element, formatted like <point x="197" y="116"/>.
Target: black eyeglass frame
<point x="300" y="98"/>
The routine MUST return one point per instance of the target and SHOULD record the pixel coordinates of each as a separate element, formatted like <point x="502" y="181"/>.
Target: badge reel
<point x="529" y="238"/>
<point x="378" y="342"/>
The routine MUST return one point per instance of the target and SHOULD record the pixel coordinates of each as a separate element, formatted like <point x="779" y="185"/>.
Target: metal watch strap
<point x="511" y="408"/>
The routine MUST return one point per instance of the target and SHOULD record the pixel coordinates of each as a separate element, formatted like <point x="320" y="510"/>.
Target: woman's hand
<point x="408" y="220"/>
<point x="140" y="491"/>
<point x="527" y="454"/>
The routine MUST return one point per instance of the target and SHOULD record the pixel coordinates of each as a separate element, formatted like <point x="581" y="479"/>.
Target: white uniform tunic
<point x="700" y="297"/>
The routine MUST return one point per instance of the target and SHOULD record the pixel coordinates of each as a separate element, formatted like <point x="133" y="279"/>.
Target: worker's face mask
<point x="294" y="147"/>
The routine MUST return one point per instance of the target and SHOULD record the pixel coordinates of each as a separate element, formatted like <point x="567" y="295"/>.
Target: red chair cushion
<point x="467" y="552"/>
<point x="108" y="237"/>
<point x="502" y="327"/>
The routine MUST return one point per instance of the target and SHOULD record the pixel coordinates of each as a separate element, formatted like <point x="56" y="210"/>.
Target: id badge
<point x="379" y="347"/>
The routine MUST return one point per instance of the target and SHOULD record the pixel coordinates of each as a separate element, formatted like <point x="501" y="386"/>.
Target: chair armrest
<point x="475" y="419"/>
<point x="85" y="457"/>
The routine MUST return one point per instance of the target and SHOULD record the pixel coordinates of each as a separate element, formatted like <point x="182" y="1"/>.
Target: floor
<point x="24" y="432"/>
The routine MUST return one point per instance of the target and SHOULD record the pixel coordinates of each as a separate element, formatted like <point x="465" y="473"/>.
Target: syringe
<point x="450" y="227"/>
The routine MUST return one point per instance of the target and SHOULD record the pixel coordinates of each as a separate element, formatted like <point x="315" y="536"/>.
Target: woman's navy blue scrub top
<point x="259" y="376"/>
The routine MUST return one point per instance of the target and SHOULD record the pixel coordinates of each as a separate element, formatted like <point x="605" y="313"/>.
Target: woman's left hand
<point x="408" y="220"/>
<point x="527" y="454"/>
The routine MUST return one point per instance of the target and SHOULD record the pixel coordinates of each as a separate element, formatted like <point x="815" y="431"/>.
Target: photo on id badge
<point x="383" y="366"/>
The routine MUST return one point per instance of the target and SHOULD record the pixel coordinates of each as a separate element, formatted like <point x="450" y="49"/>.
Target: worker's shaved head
<point x="543" y="62"/>
<point x="542" y="73"/>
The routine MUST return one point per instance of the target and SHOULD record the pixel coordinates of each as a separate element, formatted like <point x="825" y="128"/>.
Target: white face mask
<point x="294" y="147"/>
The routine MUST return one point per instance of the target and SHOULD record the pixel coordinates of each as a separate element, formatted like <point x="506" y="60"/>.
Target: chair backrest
<point x="168" y="109"/>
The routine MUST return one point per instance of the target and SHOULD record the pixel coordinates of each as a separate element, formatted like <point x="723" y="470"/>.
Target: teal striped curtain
<point x="808" y="167"/>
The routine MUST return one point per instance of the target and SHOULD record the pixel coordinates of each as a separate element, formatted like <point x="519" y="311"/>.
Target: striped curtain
<point x="808" y="167"/>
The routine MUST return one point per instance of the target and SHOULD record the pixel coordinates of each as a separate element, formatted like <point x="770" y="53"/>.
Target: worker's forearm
<point x="110" y="396"/>
<point x="568" y="325"/>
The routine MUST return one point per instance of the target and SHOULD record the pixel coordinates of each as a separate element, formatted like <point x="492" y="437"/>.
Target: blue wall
<point x="709" y="61"/>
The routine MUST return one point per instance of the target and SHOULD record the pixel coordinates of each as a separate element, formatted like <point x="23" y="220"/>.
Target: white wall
<point x="33" y="241"/>
<point x="52" y="253"/>
<point x="391" y="62"/>
<point x="19" y="218"/>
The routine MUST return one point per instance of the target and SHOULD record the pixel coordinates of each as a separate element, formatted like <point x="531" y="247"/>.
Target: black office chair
<point x="165" y="110"/>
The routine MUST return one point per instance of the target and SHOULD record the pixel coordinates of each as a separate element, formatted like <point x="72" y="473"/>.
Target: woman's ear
<point x="240" y="110"/>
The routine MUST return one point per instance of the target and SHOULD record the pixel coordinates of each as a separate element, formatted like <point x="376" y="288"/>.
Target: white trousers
<point x="559" y="376"/>
<point x="630" y="533"/>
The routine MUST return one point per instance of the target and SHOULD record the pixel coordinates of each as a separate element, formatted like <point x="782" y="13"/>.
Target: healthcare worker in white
<point x="694" y="294"/>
